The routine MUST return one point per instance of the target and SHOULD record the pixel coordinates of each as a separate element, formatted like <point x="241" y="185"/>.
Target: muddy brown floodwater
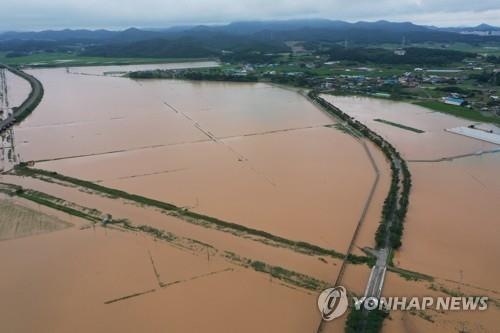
<point x="434" y="143"/>
<point x="253" y="154"/>
<point x="452" y="229"/>
<point x="18" y="89"/>
<point x="250" y="153"/>
<point x="79" y="280"/>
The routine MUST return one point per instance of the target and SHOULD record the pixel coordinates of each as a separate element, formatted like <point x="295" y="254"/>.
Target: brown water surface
<point x="18" y="89"/>
<point x="254" y="154"/>
<point x="434" y="143"/>
<point x="452" y="227"/>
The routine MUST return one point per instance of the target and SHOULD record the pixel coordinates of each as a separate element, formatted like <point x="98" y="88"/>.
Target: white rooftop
<point x="476" y="134"/>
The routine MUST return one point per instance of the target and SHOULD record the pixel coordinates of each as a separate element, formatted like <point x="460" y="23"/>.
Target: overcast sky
<point x="117" y="14"/>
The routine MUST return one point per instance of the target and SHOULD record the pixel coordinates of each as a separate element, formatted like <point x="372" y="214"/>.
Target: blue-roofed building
<point x="454" y="101"/>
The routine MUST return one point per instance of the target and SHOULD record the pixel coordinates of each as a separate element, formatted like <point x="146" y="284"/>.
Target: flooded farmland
<point x="433" y="143"/>
<point x="255" y="155"/>
<point x="452" y="226"/>
<point x="18" y="89"/>
<point x="446" y="194"/>
<point x="255" y="171"/>
<point x="92" y="267"/>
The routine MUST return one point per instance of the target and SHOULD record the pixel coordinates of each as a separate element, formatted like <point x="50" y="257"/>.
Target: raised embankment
<point x="21" y="112"/>
<point x="390" y="230"/>
<point x="396" y="203"/>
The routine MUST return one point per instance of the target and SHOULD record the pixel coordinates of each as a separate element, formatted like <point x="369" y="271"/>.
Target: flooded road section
<point x="252" y="154"/>
<point x="452" y="227"/>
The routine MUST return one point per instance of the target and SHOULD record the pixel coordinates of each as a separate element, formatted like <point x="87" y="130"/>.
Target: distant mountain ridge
<point x="483" y="27"/>
<point x="238" y="28"/>
<point x="250" y="38"/>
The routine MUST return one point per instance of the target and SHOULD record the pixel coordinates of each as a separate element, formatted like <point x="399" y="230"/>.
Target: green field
<point x="408" y="128"/>
<point x="457" y="111"/>
<point x="71" y="59"/>
<point x="492" y="48"/>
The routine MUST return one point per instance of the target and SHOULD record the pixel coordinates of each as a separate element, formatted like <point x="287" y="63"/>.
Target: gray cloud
<point x="41" y="14"/>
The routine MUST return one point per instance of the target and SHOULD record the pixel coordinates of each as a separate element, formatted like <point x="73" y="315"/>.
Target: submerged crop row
<point x="196" y="218"/>
<point x="93" y="215"/>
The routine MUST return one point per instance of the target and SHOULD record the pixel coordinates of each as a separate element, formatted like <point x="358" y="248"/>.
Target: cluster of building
<point x="364" y="80"/>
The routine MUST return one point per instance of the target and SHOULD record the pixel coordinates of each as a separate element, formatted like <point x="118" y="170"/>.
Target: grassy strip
<point x="23" y="170"/>
<point x="457" y="293"/>
<point x="189" y="216"/>
<point x="53" y="202"/>
<point x="285" y="275"/>
<point x="346" y="129"/>
<point x="410" y="275"/>
<point x="192" y="75"/>
<point x="70" y="60"/>
<point x="457" y="111"/>
<point x="391" y="214"/>
<point x="422" y="314"/>
<point x="130" y="296"/>
<point x="416" y="130"/>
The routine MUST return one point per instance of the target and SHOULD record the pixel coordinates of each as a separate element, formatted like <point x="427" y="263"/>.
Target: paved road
<point x="364" y="211"/>
<point x="377" y="275"/>
<point x="10" y="117"/>
<point x="29" y="104"/>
